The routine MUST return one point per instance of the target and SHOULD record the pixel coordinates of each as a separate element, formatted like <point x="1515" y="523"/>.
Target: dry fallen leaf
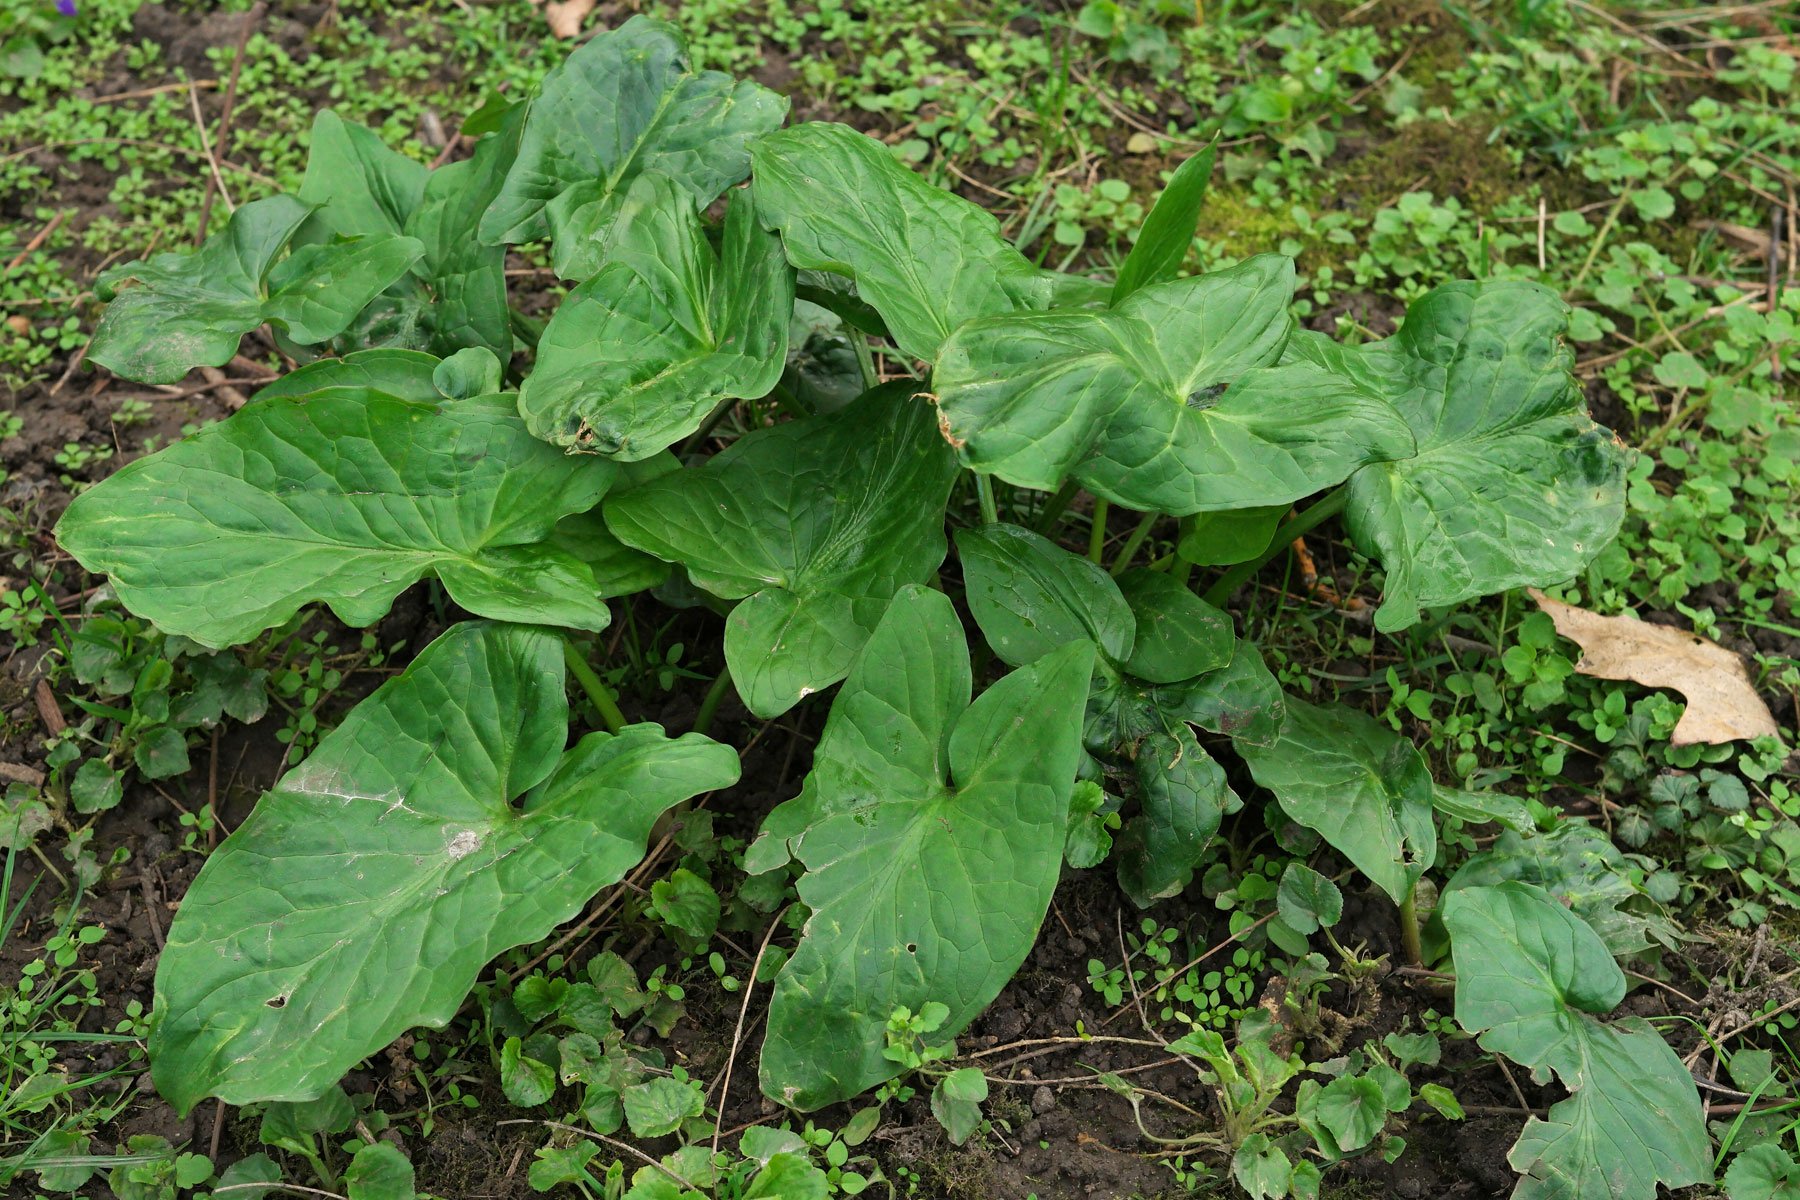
<point x="1722" y="705"/>
<point x="565" y="17"/>
<point x="20" y="773"/>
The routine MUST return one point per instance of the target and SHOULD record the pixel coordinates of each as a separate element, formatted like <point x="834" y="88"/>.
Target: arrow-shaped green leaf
<point x="625" y="103"/>
<point x="815" y="524"/>
<point x="930" y="885"/>
<point x="1530" y="979"/>
<point x="926" y="259"/>
<point x="348" y="497"/>
<point x="179" y="311"/>
<point x="1364" y="789"/>
<point x="369" y="888"/>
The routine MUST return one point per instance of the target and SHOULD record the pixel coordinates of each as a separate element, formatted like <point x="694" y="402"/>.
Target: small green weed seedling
<point x="538" y="470"/>
<point x="48" y="1108"/>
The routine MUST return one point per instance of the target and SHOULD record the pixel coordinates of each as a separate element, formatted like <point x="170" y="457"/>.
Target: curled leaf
<point x="636" y="357"/>
<point x="625" y="103"/>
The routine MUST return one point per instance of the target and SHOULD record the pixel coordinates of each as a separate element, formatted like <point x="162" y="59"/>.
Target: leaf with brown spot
<point x="1722" y="703"/>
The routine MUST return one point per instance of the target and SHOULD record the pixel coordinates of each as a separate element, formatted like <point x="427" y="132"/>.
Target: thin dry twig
<point x="150" y="897"/>
<point x="38" y="239"/>
<point x="144" y="143"/>
<point x="49" y="711"/>
<point x="213" y="179"/>
<point x="623" y="1147"/>
<point x="1516" y="1090"/>
<point x="251" y="20"/>
<point x="737" y="1034"/>
<point x="160" y="89"/>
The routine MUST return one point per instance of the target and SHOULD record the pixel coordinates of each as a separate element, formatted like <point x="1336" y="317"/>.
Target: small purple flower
<point x="66" y="7"/>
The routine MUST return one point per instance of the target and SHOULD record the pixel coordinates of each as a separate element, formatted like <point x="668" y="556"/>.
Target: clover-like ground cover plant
<point x="535" y="474"/>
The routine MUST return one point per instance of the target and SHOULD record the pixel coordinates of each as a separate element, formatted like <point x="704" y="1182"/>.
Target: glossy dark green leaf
<point x="1513" y="483"/>
<point x="1182" y="797"/>
<point x="932" y="834"/>
<point x="1581" y="867"/>
<point x="464" y="277"/>
<point x="1169" y="402"/>
<point x="317" y="291"/>
<point x="1179" y="635"/>
<point x="1241" y="699"/>
<point x="356" y="183"/>
<point x="1030" y="596"/>
<point x="926" y="260"/>
<point x="1220" y="539"/>
<point x="618" y="569"/>
<point x="1363" y="788"/>
<point x="1168" y="231"/>
<point x="371" y="886"/>
<point x="636" y="357"/>
<point x="179" y="311"/>
<point x="455" y="296"/>
<point x="403" y="374"/>
<point x="814" y="524"/>
<point x="348" y="497"/>
<point x="626" y="103"/>
<point x="1530" y="978"/>
<point x="822" y="372"/>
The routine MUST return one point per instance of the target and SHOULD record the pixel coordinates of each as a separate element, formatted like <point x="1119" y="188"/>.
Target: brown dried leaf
<point x="1722" y="704"/>
<point x="49" y="711"/>
<point x="11" y="772"/>
<point x="566" y="16"/>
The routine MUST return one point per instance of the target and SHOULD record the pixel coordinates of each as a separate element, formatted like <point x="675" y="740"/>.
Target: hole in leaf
<point x="1206" y="397"/>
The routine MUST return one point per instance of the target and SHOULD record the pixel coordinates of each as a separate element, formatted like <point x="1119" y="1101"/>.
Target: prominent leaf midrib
<point x="848" y="526"/>
<point x="900" y="257"/>
<point x="902" y="854"/>
<point x="928" y="301"/>
<point x="453" y="503"/>
<point x="603" y="104"/>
